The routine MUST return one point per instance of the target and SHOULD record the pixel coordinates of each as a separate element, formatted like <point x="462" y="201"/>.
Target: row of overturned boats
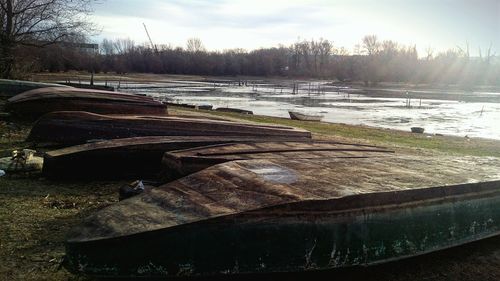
<point x="235" y="198"/>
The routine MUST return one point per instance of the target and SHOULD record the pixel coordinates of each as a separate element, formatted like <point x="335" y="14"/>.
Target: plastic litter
<point x="132" y="189"/>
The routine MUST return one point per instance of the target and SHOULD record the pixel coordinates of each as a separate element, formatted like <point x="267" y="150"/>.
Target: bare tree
<point x="123" y="46"/>
<point x="389" y="48"/>
<point x="315" y="51"/>
<point x="371" y="44"/>
<point x="107" y="47"/>
<point x="326" y="49"/>
<point x="38" y="23"/>
<point x="195" y="45"/>
<point x="305" y="50"/>
<point x="429" y="53"/>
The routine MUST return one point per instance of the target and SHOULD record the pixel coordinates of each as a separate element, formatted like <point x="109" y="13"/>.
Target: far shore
<point x="381" y="89"/>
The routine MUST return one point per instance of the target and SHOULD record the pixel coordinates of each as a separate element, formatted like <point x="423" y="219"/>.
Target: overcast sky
<point x="226" y="24"/>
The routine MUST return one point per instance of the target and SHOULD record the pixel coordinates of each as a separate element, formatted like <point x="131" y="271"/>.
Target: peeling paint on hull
<point x="293" y="233"/>
<point x="290" y="243"/>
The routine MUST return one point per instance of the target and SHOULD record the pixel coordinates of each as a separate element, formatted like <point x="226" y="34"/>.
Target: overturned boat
<point x="234" y="110"/>
<point x="34" y="103"/>
<point x="127" y="158"/>
<point x="288" y="215"/>
<point x="10" y="88"/>
<point x="176" y="164"/>
<point x="76" y="127"/>
<point x="89" y="86"/>
<point x="295" y="115"/>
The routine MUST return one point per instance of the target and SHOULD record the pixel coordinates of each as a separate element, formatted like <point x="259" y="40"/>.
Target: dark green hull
<point x="301" y="236"/>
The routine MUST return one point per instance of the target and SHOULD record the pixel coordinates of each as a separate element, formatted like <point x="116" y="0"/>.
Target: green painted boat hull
<point x="295" y="238"/>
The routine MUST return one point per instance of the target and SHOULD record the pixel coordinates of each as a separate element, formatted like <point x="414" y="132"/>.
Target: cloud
<point x="225" y="24"/>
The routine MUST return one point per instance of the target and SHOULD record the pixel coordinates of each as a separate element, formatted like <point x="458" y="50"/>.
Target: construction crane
<point x="150" y="41"/>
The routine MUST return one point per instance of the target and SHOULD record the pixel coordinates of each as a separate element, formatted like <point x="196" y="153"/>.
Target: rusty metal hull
<point x="270" y="216"/>
<point x="72" y="127"/>
<point x="125" y="158"/>
<point x="35" y="103"/>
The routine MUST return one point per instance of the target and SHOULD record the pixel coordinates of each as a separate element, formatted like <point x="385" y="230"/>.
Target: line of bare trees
<point x="36" y="35"/>
<point x="373" y="61"/>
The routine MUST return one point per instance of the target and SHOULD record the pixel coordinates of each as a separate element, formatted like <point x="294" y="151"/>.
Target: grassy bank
<point x="36" y="214"/>
<point x="376" y="136"/>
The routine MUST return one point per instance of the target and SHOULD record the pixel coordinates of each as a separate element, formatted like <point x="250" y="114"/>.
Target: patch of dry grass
<point x="371" y="135"/>
<point x="36" y="214"/>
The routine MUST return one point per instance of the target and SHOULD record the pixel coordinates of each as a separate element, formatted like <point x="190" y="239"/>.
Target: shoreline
<point x="446" y="144"/>
<point x="387" y="87"/>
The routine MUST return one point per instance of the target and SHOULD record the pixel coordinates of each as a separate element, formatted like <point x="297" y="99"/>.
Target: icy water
<point x="469" y="114"/>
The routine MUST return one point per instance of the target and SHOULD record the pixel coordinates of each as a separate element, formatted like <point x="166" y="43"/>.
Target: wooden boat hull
<point x="180" y="163"/>
<point x="35" y="109"/>
<point x="185" y="105"/>
<point x="304" y="117"/>
<point x="72" y="127"/>
<point x="271" y="216"/>
<point x="417" y="130"/>
<point x="35" y="103"/>
<point x="205" y="107"/>
<point x="10" y="88"/>
<point x="291" y="242"/>
<point x="127" y="158"/>
<point x="88" y="86"/>
<point x="234" y="110"/>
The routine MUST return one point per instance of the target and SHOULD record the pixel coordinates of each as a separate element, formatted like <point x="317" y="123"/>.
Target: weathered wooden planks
<point x="34" y="103"/>
<point x="292" y="215"/>
<point x="234" y="110"/>
<point x="126" y="158"/>
<point x="10" y="88"/>
<point x="72" y="127"/>
<point x="176" y="164"/>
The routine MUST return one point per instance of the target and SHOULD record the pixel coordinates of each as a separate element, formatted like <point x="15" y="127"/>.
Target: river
<point x="474" y="114"/>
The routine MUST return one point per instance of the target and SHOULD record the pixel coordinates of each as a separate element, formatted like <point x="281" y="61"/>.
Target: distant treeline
<point x="372" y="62"/>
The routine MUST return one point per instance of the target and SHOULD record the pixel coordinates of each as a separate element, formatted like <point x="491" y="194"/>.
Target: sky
<point x="228" y="24"/>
